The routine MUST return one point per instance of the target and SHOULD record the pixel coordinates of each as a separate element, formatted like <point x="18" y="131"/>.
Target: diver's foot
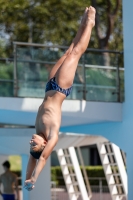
<point x="84" y="17"/>
<point x="90" y="19"/>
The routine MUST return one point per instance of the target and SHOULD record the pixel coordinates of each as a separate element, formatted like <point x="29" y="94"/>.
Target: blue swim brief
<point x="8" y="196"/>
<point x="52" y="85"/>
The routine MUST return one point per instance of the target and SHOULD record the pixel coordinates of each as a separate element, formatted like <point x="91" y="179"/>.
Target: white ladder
<point x="114" y="169"/>
<point x="72" y="174"/>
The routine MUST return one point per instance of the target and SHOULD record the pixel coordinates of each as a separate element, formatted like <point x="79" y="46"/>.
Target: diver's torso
<point x="49" y="113"/>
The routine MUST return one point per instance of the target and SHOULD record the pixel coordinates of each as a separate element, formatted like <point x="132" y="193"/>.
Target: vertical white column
<point x="43" y="185"/>
<point x="25" y="193"/>
<point x="78" y="173"/>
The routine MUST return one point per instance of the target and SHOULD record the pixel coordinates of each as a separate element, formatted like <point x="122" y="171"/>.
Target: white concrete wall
<point x="23" y="111"/>
<point x="42" y="186"/>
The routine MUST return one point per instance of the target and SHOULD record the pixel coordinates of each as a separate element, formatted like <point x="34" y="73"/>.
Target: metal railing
<point x="99" y="75"/>
<point x="100" y="190"/>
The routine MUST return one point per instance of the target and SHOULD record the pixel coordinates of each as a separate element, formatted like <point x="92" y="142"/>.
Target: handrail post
<point x="100" y="188"/>
<point x="15" y="71"/>
<point x="84" y="78"/>
<point x="118" y="78"/>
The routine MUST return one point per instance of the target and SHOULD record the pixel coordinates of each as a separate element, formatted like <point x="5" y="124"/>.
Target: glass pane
<point x="103" y="58"/>
<point x="33" y="71"/>
<point x="6" y="89"/>
<point x="101" y="84"/>
<point x="97" y="82"/>
<point x="101" y="76"/>
<point x="6" y="79"/>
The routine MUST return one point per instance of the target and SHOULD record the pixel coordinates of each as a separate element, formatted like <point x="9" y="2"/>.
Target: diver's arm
<point x="30" y="167"/>
<point x="44" y="156"/>
<point x="29" y="183"/>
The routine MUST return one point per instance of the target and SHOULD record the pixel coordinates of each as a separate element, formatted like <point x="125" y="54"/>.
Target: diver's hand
<point x="29" y="184"/>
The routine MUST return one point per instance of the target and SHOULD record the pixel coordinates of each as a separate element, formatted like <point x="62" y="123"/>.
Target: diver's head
<point x="37" y="144"/>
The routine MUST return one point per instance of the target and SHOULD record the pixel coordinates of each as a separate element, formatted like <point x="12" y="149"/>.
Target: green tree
<point x="2" y="48"/>
<point x="108" y="26"/>
<point x="57" y="21"/>
<point x="40" y="21"/>
<point x="108" y="12"/>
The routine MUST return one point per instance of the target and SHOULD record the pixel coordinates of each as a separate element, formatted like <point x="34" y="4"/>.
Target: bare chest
<point x="47" y="120"/>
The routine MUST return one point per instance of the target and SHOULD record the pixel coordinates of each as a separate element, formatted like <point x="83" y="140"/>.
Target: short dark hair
<point x="36" y="154"/>
<point x="6" y="164"/>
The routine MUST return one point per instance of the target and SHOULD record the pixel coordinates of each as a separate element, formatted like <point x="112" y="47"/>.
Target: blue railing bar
<point x="52" y="63"/>
<point x="6" y="59"/>
<point x="29" y="61"/>
<point x="36" y="61"/>
<point x="95" y="86"/>
<point x="75" y="84"/>
<point x="63" y="47"/>
<point x="104" y="51"/>
<point x="6" y="80"/>
<point x="103" y="67"/>
<point x="101" y="86"/>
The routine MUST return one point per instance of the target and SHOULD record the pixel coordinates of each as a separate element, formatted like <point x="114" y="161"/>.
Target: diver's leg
<point x="66" y="73"/>
<point x="74" y="42"/>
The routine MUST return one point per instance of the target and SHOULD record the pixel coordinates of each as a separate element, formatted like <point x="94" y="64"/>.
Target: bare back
<point x="8" y="179"/>
<point x="48" y="119"/>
